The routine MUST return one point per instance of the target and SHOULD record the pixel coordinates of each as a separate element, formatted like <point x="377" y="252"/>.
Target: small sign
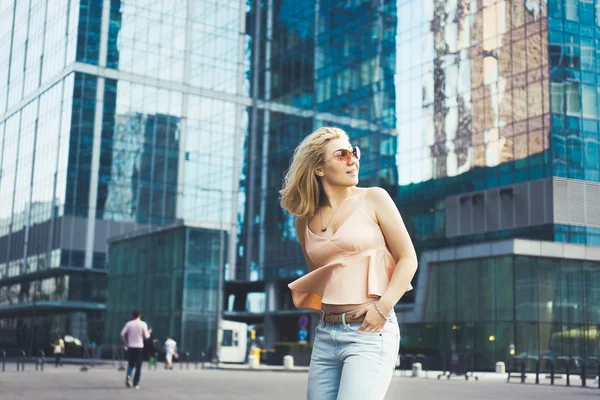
<point x="303" y="322"/>
<point x="302" y="333"/>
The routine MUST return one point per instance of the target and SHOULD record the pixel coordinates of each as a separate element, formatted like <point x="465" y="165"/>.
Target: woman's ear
<point x="319" y="171"/>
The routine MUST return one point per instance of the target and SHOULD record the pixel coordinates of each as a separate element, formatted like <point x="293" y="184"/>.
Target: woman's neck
<point x="334" y="196"/>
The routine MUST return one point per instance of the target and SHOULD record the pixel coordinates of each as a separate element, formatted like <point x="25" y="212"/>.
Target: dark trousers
<point x="57" y="359"/>
<point x="135" y="360"/>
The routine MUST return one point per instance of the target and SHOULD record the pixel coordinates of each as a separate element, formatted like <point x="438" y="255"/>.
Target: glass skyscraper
<point x="115" y="116"/>
<point x="500" y="133"/>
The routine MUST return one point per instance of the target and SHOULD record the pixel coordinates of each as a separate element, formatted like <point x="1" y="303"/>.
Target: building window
<point x="573" y="99"/>
<point x="571" y="13"/>
<point x="589" y="101"/>
<point x="556" y="95"/>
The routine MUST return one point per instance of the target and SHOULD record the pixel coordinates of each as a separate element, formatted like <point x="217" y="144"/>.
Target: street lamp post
<point x="219" y="307"/>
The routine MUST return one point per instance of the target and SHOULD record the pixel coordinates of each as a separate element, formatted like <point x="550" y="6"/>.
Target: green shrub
<point x="286" y="347"/>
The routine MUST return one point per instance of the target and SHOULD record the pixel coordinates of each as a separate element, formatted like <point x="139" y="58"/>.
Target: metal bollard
<point x="3" y="360"/>
<point x="21" y="360"/>
<point x="42" y="359"/>
<point x="121" y="358"/>
<point x="551" y="362"/>
<point x="537" y="368"/>
<point x="567" y="368"/>
<point x="519" y="365"/>
<point x="597" y="361"/>
<point x="511" y="365"/>
<point x="582" y="369"/>
<point x="409" y="357"/>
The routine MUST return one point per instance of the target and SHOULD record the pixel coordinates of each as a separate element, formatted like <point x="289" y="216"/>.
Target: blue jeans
<point x="135" y="360"/>
<point x="350" y="365"/>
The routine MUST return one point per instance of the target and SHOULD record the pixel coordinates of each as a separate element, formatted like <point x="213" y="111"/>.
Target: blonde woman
<point x="361" y="261"/>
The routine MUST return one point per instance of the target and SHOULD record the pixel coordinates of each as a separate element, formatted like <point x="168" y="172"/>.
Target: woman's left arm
<point x="386" y="215"/>
<point x="399" y="243"/>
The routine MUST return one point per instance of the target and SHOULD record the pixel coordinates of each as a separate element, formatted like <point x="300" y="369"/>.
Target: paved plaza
<point x="107" y="383"/>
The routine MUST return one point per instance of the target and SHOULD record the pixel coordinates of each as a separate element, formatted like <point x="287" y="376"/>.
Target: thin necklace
<point x="324" y="227"/>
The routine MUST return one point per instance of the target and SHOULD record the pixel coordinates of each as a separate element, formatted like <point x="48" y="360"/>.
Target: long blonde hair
<point x="301" y="194"/>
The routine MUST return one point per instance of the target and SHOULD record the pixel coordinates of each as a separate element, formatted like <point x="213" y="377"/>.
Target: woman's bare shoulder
<point x="375" y="193"/>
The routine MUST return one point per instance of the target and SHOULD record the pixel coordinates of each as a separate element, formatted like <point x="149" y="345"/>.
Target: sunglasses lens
<point x="347" y="155"/>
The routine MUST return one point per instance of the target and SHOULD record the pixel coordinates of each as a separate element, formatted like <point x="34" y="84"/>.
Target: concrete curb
<point x="266" y="368"/>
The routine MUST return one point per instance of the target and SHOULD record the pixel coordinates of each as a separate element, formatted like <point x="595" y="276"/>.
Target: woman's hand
<point x="373" y="321"/>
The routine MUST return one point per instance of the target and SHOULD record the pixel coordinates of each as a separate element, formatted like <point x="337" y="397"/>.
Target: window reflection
<point x="70" y="287"/>
<point x="496" y="81"/>
<point x="139" y="156"/>
<point x="152" y="40"/>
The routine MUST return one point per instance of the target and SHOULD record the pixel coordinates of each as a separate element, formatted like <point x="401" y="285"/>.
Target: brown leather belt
<point x="337" y="318"/>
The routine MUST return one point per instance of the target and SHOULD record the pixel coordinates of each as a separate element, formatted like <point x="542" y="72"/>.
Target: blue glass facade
<point x="573" y="31"/>
<point x="114" y="116"/>
<point x="573" y="53"/>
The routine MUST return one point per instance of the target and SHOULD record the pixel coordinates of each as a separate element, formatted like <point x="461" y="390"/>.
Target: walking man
<point x="170" y="352"/>
<point x="59" y="351"/>
<point x="133" y="334"/>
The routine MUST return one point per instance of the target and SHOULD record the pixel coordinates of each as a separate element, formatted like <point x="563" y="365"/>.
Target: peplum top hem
<point x="354" y="279"/>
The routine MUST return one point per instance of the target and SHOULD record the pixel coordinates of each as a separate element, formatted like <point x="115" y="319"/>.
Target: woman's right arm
<point x="300" y="231"/>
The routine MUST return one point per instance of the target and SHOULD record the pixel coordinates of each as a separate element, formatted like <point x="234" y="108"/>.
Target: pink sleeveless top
<point x="354" y="266"/>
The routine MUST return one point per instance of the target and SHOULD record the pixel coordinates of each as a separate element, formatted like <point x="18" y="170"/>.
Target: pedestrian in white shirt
<point x="170" y="351"/>
<point x="59" y="351"/>
<point x="133" y="334"/>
